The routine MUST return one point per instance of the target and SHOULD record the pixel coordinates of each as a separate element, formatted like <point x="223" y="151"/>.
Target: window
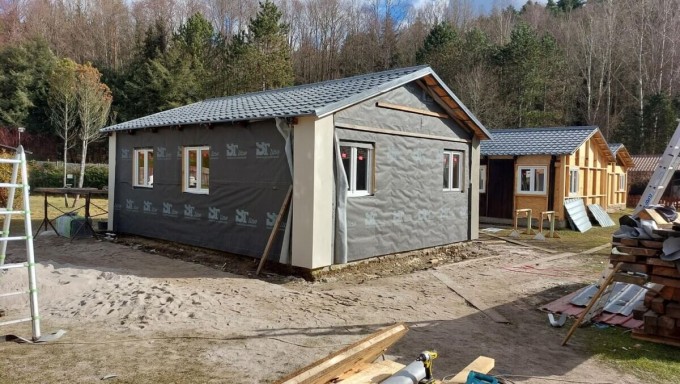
<point x="622" y="183"/>
<point x="196" y="169"/>
<point x="573" y="181"/>
<point x="453" y="170"/>
<point x="531" y="180"/>
<point x="482" y="179"/>
<point x="143" y="168"/>
<point x="357" y="159"/>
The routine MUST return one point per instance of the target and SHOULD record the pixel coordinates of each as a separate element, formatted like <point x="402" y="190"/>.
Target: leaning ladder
<point x="19" y="165"/>
<point x="662" y="175"/>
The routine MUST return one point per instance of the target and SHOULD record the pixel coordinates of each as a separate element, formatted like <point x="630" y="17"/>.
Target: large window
<point x="143" y="168"/>
<point x="573" y="181"/>
<point x="357" y="159"/>
<point x="531" y="180"/>
<point x="482" y="179"/>
<point x="196" y="170"/>
<point x="453" y="170"/>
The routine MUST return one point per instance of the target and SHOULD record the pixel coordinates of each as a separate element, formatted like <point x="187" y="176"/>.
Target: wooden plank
<point x="625" y="241"/>
<point x="405" y="108"/>
<point x="636" y="268"/>
<point x="470" y="297"/>
<point x="667" y="281"/>
<point x="363" y="351"/>
<point x="658" y="305"/>
<point x="617" y="258"/>
<point x="670" y="293"/>
<point x="639" y="251"/>
<point x="659" y="262"/>
<point x="374" y="373"/>
<point x="673" y="310"/>
<point x="666" y="272"/>
<point x="656" y="339"/>
<point x="652" y="244"/>
<point x="482" y="364"/>
<point x="275" y="229"/>
<point x="631" y="279"/>
<point x="650" y="214"/>
<point x="363" y="128"/>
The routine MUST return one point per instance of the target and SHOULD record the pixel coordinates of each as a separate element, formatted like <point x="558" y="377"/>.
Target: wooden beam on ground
<point x="509" y="240"/>
<point x="374" y="373"/>
<point x="275" y="230"/>
<point x="482" y="364"/>
<point x="347" y="359"/>
<point x="470" y="297"/>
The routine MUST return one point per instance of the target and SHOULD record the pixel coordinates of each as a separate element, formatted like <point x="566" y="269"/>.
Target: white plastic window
<point x="573" y="181"/>
<point x="622" y="183"/>
<point x="482" y="179"/>
<point x="196" y="170"/>
<point x="357" y="159"/>
<point x="531" y="180"/>
<point x="453" y="170"/>
<point x="143" y="168"/>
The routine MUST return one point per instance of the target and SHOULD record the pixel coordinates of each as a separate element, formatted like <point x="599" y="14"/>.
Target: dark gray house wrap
<point x="380" y="163"/>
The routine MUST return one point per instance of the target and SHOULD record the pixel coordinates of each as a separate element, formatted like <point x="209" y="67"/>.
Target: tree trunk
<point x="81" y="177"/>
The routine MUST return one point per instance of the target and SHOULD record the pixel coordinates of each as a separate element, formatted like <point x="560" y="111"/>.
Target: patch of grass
<point x="651" y="362"/>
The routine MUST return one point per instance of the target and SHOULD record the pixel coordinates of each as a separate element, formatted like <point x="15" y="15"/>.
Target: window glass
<point x="531" y="180"/>
<point x="482" y="178"/>
<point x="140" y="167"/>
<point x="452" y="170"/>
<point x="447" y="169"/>
<point x="525" y="180"/>
<point x="193" y="177"/>
<point x="205" y="168"/>
<point x="149" y="156"/>
<point x="143" y="168"/>
<point x="539" y="180"/>
<point x="455" y="171"/>
<point x="357" y="160"/>
<point x="197" y="169"/>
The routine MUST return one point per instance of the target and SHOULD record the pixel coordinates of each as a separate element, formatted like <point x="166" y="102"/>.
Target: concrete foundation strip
<point x="470" y="297"/>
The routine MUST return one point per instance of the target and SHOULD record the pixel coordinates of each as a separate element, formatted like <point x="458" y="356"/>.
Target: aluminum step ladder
<point x="662" y="174"/>
<point x="19" y="166"/>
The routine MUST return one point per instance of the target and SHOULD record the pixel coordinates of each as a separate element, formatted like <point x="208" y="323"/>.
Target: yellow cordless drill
<point x="427" y="357"/>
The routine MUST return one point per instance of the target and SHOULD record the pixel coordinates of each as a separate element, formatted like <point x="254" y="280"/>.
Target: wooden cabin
<point x="539" y="168"/>
<point x="617" y="177"/>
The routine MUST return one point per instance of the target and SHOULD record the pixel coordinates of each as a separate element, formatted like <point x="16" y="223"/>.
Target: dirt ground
<point x="132" y="312"/>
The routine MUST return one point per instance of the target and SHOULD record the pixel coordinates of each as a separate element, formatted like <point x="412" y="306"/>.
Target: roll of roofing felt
<point x="410" y="374"/>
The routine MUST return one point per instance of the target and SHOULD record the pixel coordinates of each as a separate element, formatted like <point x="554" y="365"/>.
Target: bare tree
<point x="63" y="102"/>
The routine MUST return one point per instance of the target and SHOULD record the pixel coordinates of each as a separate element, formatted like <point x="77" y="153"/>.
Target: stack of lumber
<point x="661" y="311"/>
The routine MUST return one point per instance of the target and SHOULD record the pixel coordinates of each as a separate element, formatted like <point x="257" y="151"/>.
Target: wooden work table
<point x="87" y="192"/>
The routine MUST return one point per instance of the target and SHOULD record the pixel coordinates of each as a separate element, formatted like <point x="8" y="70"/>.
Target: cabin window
<point x="453" y="170"/>
<point x="196" y="170"/>
<point x="143" y="168"/>
<point x="482" y="179"/>
<point x="622" y="183"/>
<point x="357" y="159"/>
<point x="573" y="181"/>
<point x="531" y="180"/>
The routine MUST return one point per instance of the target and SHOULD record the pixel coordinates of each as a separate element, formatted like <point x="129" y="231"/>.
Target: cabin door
<point x="500" y="188"/>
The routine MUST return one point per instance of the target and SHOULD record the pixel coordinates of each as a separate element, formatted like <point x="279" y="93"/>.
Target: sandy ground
<point x="147" y="318"/>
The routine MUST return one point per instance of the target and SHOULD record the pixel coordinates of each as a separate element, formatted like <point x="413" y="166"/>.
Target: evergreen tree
<point x="440" y="38"/>
<point x="569" y="5"/>
<point x="261" y="56"/>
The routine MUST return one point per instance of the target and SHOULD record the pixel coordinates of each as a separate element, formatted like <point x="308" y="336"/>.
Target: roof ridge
<point x="529" y="129"/>
<point x="321" y="83"/>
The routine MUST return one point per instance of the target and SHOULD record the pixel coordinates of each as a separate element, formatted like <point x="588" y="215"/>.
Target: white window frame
<point x="482" y="179"/>
<point x="185" y="170"/>
<point x="451" y="154"/>
<point x="622" y="182"/>
<point x="352" y="187"/>
<point x="148" y="179"/>
<point x="574" y="186"/>
<point x="532" y="169"/>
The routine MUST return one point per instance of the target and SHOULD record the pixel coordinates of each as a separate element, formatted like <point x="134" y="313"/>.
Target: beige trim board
<point x="399" y="133"/>
<point x="113" y="152"/>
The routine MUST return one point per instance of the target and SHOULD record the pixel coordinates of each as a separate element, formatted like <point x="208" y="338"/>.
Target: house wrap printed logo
<point x="233" y="152"/>
<point x="124" y="153"/>
<point x="271" y="220"/>
<point x="190" y="212"/>
<point x="149" y="209"/>
<point x="243" y="219"/>
<point x="264" y="150"/>
<point x="131" y="206"/>
<point x="168" y="210"/>
<point x="215" y="216"/>
<point x="162" y="154"/>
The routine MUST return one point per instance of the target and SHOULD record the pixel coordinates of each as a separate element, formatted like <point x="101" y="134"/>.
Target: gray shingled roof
<point x="614" y="147"/>
<point x="318" y="99"/>
<point x="536" y="141"/>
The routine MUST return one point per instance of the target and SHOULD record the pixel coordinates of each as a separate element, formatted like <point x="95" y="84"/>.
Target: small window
<point x="453" y="170"/>
<point x="196" y="170"/>
<point x="143" y="168"/>
<point x="531" y="180"/>
<point x="573" y="181"/>
<point x="622" y="183"/>
<point x="357" y="159"/>
<point x="482" y="179"/>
